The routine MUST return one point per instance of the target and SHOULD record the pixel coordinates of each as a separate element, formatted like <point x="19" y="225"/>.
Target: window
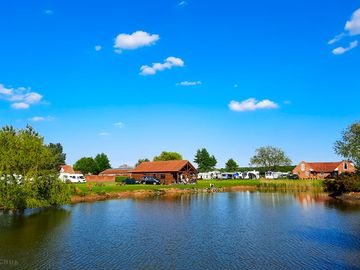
<point x="345" y="166"/>
<point x="302" y="167"/>
<point x="162" y="176"/>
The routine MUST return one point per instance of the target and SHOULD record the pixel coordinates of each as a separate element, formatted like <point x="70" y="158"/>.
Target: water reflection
<point x="230" y="230"/>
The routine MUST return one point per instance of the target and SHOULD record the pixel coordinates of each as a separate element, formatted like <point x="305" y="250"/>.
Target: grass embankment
<point x="111" y="187"/>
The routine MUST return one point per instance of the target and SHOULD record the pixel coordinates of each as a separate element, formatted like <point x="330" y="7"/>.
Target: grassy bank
<point x="110" y="187"/>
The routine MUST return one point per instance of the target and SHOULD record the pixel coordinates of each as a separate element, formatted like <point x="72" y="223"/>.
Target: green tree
<point x="349" y="145"/>
<point x="270" y="157"/>
<point x="86" y="165"/>
<point x="204" y="161"/>
<point x="102" y="162"/>
<point x="231" y="165"/>
<point x="168" y="156"/>
<point x="28" y="174"/>
<point x="141" y="160"/>
<point x="57" y="151"/>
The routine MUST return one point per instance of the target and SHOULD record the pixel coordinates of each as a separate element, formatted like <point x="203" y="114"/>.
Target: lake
<point x="234" y="230"/>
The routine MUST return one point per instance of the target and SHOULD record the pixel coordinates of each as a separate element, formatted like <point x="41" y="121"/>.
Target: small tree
<point x="349" y="145"/>
<point x="231" y="165"/>
<point x="86" y="165"/>
<point x="102" y="162"/>
<point x="168" y="156"/>
<point x="204" y="161"/>
<point x="141" y="161"/>
<point x="270" y="157"/>
<point x="57" y="151"/>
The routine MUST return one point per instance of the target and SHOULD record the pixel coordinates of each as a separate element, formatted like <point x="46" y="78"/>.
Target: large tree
<point x="86" y="165"/>
<point x="168" y="156"/>
<point x="231" y="165"/>
<point x="349" y="145"/>
<point x="270" y="157"/>
<point x="102" y="162"/>
<point x="204" y="161"/>
<point x="29" y="171"/>
<point x="141" y="160"/>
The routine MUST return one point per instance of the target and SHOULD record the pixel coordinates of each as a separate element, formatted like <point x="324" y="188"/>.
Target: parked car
<point x="149" y="180"/>
<point x="130" y="181"/>
<point x="293" y="176"/>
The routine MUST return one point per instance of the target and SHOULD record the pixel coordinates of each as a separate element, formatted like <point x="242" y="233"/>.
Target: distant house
<point x="168" y="172"/>
<point x="123" y="170"/>
<point x="67" y="173"/>
<point x="322" y="170"/>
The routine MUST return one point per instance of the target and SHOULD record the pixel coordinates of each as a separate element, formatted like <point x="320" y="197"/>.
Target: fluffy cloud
<point x="353" y="26"/>
<point x="168" y="64"/>
<point x="104" y="134"/>
<point x="182" y="3"/>
<point x="252" y="104"/>
<point x="98" y="48"/>
<point x="20" y="106"/>
<point x="21" y="98"/>
<point x="342" y="50"/>
<point x="187" y="83"/>
<point x="135" y="40"/>
<point x="49" y="12"/>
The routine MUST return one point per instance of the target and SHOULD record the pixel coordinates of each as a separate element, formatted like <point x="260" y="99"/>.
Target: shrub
<point x="99" y="185"/>
<point x="345" y="182"/>
<point x="120" y="178"/>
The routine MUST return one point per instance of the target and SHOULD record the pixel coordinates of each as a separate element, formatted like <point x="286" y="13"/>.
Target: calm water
<point x="239" y="230"/>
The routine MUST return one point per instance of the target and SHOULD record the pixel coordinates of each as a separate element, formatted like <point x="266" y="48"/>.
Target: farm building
<point x="322" y="170"/>
<point x="168" y="172"/>
<point x="123" y="170"/>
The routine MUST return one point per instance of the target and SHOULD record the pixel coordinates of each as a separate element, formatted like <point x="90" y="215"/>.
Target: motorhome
<point x="250" y="175"/>
<point x="273" y="175"/>
<point x="67" y="174"/>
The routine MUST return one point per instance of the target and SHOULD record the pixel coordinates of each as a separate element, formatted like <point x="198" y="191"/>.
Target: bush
<point x="39" y="192"/>
<point x="345" y="182"/>
<point x="120" y="178"/>
<point x="99" y="185"/>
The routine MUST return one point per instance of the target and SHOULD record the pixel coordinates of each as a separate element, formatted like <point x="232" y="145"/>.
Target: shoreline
<point x="158" y="192"/>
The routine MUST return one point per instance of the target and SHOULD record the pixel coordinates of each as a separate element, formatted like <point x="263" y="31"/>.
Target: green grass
<point x="82" y="189"/>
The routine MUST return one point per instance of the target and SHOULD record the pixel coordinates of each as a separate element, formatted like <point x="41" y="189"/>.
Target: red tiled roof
<point x="160" y="166"/>
<point x="324" y="166"/>
<point x="67" y="169"/>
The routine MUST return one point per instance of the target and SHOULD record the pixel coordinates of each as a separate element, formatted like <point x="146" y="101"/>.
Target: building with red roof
<point x="322" y="170"/>
<point x="168" y="172"/>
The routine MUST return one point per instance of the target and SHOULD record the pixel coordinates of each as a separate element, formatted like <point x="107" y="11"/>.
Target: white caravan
<point x="273" y="175"/>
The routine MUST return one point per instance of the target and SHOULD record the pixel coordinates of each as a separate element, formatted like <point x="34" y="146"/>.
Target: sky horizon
<point x="136" y="78"/>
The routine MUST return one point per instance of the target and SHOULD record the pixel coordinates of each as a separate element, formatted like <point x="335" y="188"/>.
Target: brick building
<point x="322" y="170"/>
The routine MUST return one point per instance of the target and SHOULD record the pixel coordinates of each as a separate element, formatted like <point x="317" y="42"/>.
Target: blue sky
<point x="230" y="76"/>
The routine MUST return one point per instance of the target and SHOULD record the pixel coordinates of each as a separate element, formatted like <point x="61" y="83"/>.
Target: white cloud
<point x="98" y="48"/>
<point x="168" y="64"/>
<point x="5" y="91"/>
<point x="41" y="118"/>
<point x="353" y="26"/>
<point x="135" y="40"/>
<point x="104" y="134"/>
<point x="182" y="3"/>
<point x="236" y="86"/>
<point x="342" y="50"/>
<point x="119" y="124"/>
<point x="187" y="83"/>
<point x="252" y="104"/>
<point x="20" y="106"/>
<point x="21" y="97"/>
